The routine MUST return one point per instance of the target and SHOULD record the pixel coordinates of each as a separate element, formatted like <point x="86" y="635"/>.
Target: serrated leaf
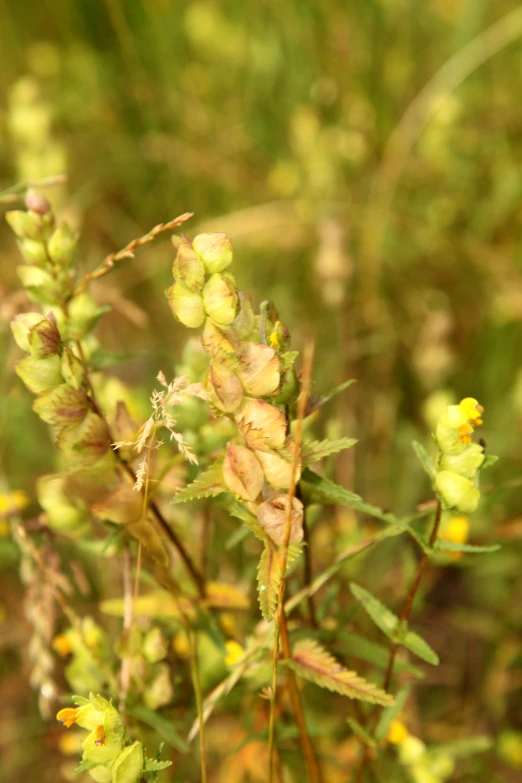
<point x="321" y="490"/>
<point x="389" y="714"/>
<point x="312" y="662"/>
<point x="238" y="510"/>
<point x="391" y="626"/>
<point x="151" y="765"/>
<point x="224" y="596"/>
<point x="314" y="450"/>
<point x="208" y="484"/>
<point x="424" y="458"/>
<point x="269" y="573"/>
<point x="162" y="726"/>
<point x="453" y="546"/>
<point x="361" y="732"/>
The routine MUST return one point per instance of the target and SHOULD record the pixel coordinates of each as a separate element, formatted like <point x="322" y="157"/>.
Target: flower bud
<point x="188" y="268"/>
<point x="262" y="425"/>
<point x="62" y="246"/>
<point x="187" y="306"/>
<point x="40" y="375"/>
<point x="279" y="337"/>
<point x="466" y="463"/>
<point x="242" y="472"/>
<point x="129" y="765"/>
<point x="26" y="225"/>
<point x="84" y="313"/>
<point x="33" y="251"/>
<point x="36" y="202"/>
<point x="259" y="369"/>
<point x="226" y="385"/>
<point x="215" y="250"/>
<point x="21" y="326"/>
<point x="456" y="491"/>
<point x="244" y="322"/>
<point x="220" y="299"/>
<point x="40" y="285"/>
<point x="44" y="338"/>
<point x="62" y="406"/>
<point x="278" y="471"/>
<point x="272" y="516"/>
<point x="73" y="370"/>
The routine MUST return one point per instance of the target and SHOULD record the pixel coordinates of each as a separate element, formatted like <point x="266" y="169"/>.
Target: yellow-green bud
<point x="262" y="425"/>
<point x="188" y="268"/>
<point x="44" y="338"/>
<point x="278" y="471"/>
<point x="40" y="375"/>
<point x="21" y="326"/>
<point x="272" y="516"/>
<point x="62" y="246"/>
<point x="215" y="250"/>
<point x="62" y="406"/>
<point x="259" y="369"/>
<point x="186" y="305"/>
<point x="39" y="284"/>
<point x="73" y="370"/>
<point x="220" y="299"/>
<point x="33" y="251"/>
<point x="242" y="472"/>
<point x="466" y="463"/>
<point x="226" y="385"/>
<point x="26" y="225"/>
<point x="83" y="316"/>
<point x="456" y="491"/>
<point x="129" y="765"/>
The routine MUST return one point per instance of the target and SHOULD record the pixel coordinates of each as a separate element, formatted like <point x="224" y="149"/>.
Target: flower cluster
<point x="460" y="459"/>
<point x="250" y="374"/>
<point x="55" y="367"/>
<point x="107" y="753"/>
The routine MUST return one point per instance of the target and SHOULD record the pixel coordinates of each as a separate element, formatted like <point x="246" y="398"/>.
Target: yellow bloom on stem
<point x="68" y="716"/>
<point x="234" y="652"/>
<point x="62" y="645"/>
<point x="472" y="410"/>
<point x="397" y="733"/>
<point x="456" y="530"/>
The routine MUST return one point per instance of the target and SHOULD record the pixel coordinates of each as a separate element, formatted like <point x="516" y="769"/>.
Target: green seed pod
<point x="226" y="385"/>
<point x="215" y="250"/>
<point x="33" y="251"/>
<point x="84" y="314"/>
<point x="62" y="406"/>
<point x="129" y="764"/>
<point x="21" y="328"/>
<point x="456" y="491"/>
<point x="44" y="338"/>
<point x="188" y="268"/>
<point x="215" y="343"/>
<point x="62" y="246"/>
<point x="242" y="472"/>
<point x="101" y="774"/>
<point x="73" y="370"/>
<point x="40" y="285"/>
<point x="220" y="299"/>
<point x="259" y="369"/>
<point x="466" y="463"/>
<point x="26" y="225"/>
<point x="40" y="375"/>
<point x="263" y="426"/>
<point x="278" y="471"/>
<point x="272" y="516"/>
<point x="186" y="305"/>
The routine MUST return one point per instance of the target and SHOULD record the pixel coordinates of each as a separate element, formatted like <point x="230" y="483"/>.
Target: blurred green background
<point x="365" y="159"/>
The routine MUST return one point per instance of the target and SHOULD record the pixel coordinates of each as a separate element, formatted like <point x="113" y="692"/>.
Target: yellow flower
<point x="68" y="716"/>
<point x="12" y="502"/>
<point x="397" y="733"/>
<point x="62" y="645"/>
<point x="234" y="652"/>
<point x="472" y="410"/>
<point x="180" y="645"/>
<point x="456" y="530"/>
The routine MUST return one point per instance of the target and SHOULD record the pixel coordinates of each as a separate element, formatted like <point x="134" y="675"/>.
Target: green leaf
<point x="391" y="626"/>
<point x="238" y="510"/>
<point x="312" y="662"/>
<point x="332" y="393"/>
<point x="163" y="726"/>
<point x="389" y="714"/>
<point x="314" y="450"/>
<point x="360" y="732"/>
<point x="374" y="653"/>
<point x="321" y="490"/>
<point x="208" y="484"/>
<point x="489" y="461"/>
<point x="424" y="458"/>
<point x="269" y="573"/>
<point x="151" y="765"/>
<point x="452" y="546"/>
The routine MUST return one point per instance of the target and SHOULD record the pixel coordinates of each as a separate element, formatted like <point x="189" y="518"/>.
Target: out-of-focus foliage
<point x="272" y="122"/>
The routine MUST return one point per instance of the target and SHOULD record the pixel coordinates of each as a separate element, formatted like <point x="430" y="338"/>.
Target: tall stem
<point x="403" y="618"/>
